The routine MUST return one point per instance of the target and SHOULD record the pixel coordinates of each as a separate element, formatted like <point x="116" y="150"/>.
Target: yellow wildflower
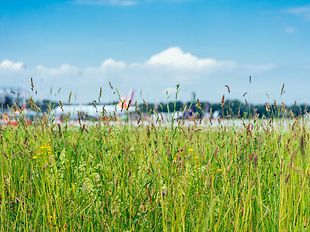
<point x="46" y="148"/>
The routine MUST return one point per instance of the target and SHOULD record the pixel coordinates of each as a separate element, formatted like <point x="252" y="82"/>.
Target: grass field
<point x="123" y="178"/>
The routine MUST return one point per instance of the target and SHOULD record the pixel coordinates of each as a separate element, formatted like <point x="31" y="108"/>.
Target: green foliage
<point x="113" y="178"/>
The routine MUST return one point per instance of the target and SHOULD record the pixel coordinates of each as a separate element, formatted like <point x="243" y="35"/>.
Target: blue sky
<point x="80" y="45"/>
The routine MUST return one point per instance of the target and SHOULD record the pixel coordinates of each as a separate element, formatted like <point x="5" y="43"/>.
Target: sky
<point x="151" y="46"/>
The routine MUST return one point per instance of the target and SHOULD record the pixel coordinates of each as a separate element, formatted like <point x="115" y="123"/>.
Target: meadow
<point x="155" y="178"/>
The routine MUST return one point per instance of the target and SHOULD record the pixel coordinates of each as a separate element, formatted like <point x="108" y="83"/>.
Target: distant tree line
<point x="229" y="108"/>
<point x="226" y="108"/>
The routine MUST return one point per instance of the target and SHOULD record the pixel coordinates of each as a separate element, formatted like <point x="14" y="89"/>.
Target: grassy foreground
<point x="106" y="178"/>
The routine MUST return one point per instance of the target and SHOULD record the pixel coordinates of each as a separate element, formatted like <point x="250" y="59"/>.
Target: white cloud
<point x="302" y="11"/>
<point x="110" y="63"/>
<point x="107" y="2"/>
<point x="11" y="65"/>
<point x="61" y="70"/>
<point x="174" y="57"/>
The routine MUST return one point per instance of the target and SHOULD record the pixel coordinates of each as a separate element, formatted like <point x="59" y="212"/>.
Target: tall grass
<point x="155" y="178"/>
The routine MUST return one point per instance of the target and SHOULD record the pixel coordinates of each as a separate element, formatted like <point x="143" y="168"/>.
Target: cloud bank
<point x="173" y="59"/>
<point x="153" y="76"/>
